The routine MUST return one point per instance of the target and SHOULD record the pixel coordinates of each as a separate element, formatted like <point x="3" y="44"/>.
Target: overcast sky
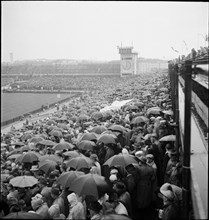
<point x="93" y="30"/>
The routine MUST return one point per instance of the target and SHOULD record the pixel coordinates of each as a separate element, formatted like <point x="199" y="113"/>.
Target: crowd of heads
<point x="146" y="166"/>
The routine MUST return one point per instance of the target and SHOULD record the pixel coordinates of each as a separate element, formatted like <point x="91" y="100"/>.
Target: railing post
<point x="187" y="140"/>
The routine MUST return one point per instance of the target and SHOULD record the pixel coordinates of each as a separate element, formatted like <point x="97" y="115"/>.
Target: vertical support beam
<point x="187" y="140"/>
<point x="177" y="107"/>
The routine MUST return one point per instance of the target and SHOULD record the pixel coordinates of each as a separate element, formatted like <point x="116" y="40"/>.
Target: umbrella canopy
<point x="115" y="217"/>
<point x="22" y="215"/>
<point x="28" y="157"/>
<point x="115" y="127"/>
<point x="83" y="117"/>
<point x="56" y="133"/>
<point x="139" y="104"/>
<point x="23" y="181"/>
<point x="139" y="119"/>
<point x="50" y="157"/>
<point x="90" y="184"/>
<point x="80" y="162"/>
<point x="15" y="151"/>
<point x="88" y="136"/>
<point x="36" y="139"/>
<point x="47" y="166"/>
<point x="97" y="116"/>
<point x="99" y="129"/>
<point x="107" y="139"/>
<point x="66" y="178"/>
<point x="13" y="156"/>
<point x="62" y="146"/>
<point x="47" y="143"/>
<point x="86" y="145"/>
<point x="168" y="138"/>
<point x="72" y="154"/>
<point x="154" y="111"/>
<point x="120" y="159"/>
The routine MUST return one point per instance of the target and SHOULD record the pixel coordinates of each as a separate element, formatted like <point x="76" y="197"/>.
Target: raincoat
<point x="76" y="208"/>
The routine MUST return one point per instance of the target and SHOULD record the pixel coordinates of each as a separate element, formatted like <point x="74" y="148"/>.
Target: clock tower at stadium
<point x="128" y="61"/>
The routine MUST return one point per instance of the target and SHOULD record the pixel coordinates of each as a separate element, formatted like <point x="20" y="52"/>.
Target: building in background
<point x="128" y="61"/>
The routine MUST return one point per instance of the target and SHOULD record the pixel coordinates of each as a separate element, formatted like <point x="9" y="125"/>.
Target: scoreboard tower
<point x="128" y="61"/>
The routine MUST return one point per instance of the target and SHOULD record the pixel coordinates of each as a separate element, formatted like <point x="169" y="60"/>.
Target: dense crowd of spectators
<point x="147" y="186"/>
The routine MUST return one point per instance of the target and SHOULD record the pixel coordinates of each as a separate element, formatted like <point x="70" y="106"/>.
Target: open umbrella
<point x="80" y="162"/>
<point x="86" y="145"/>
<point x="56" y="133"/>
<point x="22" y="215"/>
<point x="71" y="154"/>
<point x="28" y="157"/>
<point x="139" y="104"/>
<point x="168" y="138"/>
<point x="63" y="146"/>
<point x="66" y="178"/>
<point x="47" y="166"/>
<point x="13" y="156"/>
<point x="107" y="139"/>
<point x="99" y="129"/>
<point x="97" y="116"/>
<point x="90" y="184"/>
<point x="139" y="119"/>
<point x="50" y="157"/>
<point x="83" y="117"/>
<point x="115" y="217"/>
<point x="115" y="127"/>
<point x="120" y="159"/>
<point x="88" y="136"/>
<point x="47" y="143"/>
<point x="154" y="111"/>
<point x="23" y="181"/>
<point x="36" y="139"/>
<point x="15" y="151"/>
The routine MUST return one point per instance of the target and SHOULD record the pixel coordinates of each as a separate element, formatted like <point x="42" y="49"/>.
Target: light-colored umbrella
<point x="23" y="181"/>
<point x="168" y="138"/>
<point x="63" y="146"/>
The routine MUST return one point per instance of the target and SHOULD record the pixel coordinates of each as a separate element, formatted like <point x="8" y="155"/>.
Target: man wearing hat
<point x="145" y="183"/>
<point x="171" y="195"/>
